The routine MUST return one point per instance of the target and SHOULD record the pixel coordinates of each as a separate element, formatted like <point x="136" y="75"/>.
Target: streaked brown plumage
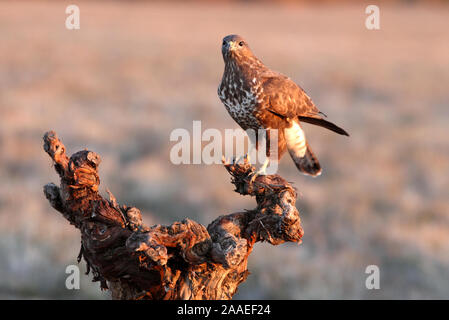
<point x="259" y="98"/>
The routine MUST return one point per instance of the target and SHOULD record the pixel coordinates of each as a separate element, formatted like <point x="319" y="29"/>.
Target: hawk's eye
<point x="241" y="43"/>
<point x="224" y="43"/>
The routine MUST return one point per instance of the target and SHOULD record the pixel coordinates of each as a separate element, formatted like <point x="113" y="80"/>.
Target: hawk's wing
<point x="286" y="98"/>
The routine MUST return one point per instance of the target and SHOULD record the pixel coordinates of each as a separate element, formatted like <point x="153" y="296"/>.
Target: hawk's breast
<point x="242" y="100"/>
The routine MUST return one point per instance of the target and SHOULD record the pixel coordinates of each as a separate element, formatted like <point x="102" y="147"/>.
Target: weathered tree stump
<point x="182" y="261"/>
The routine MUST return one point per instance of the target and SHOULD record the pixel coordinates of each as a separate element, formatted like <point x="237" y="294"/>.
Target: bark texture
<point x="184" y="260"/>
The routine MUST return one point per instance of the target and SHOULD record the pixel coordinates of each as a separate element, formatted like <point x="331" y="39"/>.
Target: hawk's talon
<point x="246" y="158"/>
<point x="253" y="178"/>
<point x="236" y="160"/>
<point x="260" y="172"/>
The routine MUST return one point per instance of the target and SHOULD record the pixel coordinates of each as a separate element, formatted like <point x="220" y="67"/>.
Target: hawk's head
<point x="235" y="47"/>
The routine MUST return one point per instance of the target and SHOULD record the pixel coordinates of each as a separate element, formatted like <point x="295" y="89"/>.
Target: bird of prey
<point x="259" y="98"/>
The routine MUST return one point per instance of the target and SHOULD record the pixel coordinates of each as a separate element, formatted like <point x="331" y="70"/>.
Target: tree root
<point x="182" y="261"/>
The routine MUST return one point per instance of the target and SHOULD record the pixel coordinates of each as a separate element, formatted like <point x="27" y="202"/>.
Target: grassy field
<point x="136" y="71"/>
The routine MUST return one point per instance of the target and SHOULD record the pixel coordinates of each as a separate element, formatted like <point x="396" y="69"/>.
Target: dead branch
<point x="182" y="261"/>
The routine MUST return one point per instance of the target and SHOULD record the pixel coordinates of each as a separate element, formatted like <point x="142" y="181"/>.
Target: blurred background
<point x="137" y="70"/>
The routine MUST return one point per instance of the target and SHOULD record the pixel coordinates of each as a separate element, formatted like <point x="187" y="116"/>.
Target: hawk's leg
<point x="261" y="171"/>
<point x="246" y="158"/>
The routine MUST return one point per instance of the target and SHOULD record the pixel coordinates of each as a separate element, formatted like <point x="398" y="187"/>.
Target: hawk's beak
<point x="232" y="45"/>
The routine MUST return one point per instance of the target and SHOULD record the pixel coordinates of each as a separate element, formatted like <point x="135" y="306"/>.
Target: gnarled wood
<point x="182" y="261"/>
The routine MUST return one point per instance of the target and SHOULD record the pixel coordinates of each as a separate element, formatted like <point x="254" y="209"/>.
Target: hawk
<point x="259" y="98"/>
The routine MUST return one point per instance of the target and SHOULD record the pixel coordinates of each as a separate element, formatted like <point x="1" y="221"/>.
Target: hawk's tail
<point x="308" y="164"/>
<point x="300" y="151"/>
<point x="324" y="123"/>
